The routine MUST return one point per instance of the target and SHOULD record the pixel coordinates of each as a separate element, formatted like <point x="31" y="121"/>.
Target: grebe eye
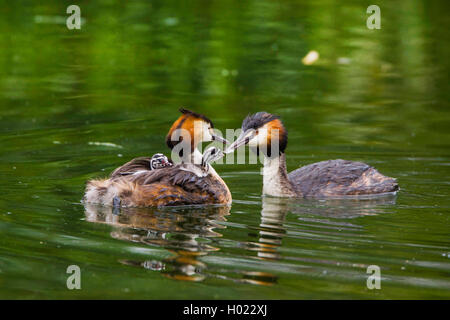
<point x="256" y="131"/>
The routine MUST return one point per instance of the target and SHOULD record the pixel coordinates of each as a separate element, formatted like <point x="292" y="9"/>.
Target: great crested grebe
<point x="191" y="182"/>
<point x="331" y="178"/>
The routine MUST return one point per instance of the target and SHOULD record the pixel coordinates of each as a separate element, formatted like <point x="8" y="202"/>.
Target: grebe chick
<point x="264" y="132"/>
<point x="210" y="155"/>
<point x="157" y="161"/>
<point x="187" y="183"/>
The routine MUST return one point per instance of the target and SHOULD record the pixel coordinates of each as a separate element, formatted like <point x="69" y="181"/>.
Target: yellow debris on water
<point x="310" y="58"/>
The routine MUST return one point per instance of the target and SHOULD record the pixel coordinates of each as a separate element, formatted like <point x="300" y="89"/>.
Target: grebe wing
<point x="172" y="186"/>
<point x="340" y="177"/>
<point x="179" y="174"/>
<point x="137" y="164"/>
<point x="166" y="194"/>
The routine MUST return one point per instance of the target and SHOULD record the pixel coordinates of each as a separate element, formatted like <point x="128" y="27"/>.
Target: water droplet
<point x="171" y="21"/>
<point x="310" y="58"/>
<point x="343" y="60"/>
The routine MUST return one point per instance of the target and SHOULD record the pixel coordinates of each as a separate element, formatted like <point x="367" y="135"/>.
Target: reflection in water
<point x="274" y="228"/>
<point x="270" y="230"/>
<point x="181" y="231"/>
<point x="187" y="233"/>
<point x="193" y="233"/>
<point x="270" y="233"/>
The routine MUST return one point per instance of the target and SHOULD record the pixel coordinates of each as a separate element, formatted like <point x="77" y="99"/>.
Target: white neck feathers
<point x="194" y="157"/>
<point x="275" y="180"/>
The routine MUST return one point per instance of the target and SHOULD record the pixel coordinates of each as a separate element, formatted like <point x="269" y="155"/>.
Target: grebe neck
<point x="194" y="157"/>
<point x="275" y="179"/>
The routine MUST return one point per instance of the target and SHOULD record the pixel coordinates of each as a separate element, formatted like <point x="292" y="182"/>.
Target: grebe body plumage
<point x="191" y="182"/>
<point x="332" y="178"/>
<point x="171" y="186"/>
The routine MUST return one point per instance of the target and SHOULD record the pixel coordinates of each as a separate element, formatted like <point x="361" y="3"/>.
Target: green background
<point x="378" y="96"/>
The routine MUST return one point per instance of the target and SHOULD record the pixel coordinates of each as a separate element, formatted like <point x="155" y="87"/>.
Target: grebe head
<point x="210" y="155"/>
<point x="263" y="132"/>
<point x="194" y="127"/>
<point x="159" y="161"/>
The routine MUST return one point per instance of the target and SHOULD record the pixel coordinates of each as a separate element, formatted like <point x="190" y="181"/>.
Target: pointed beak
<point x="240" y="141"/>
<point x="220" y="139"/>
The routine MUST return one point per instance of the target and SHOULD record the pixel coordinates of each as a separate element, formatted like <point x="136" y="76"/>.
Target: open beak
<point x="240" y="141"/>
<point x="220" y="139"/>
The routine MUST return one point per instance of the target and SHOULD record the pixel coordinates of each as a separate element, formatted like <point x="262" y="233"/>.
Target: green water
<point x="378" y="96"/>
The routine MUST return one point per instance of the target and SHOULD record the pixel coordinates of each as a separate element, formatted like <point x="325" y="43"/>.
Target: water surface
<point x="76" y="104"/>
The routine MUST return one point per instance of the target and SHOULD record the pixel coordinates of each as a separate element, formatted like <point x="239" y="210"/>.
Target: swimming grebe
<point x="331" y="178"/>
<point x="191" y="182"/>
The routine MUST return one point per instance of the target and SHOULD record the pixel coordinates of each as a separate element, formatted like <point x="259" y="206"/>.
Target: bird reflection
<point x="185" y="233"/>
<point x="272" y="228"/>
<point x="177" y="230"/>
<point x="190" y="234"/>
<point x="270" y="231"/>
<point x="269" y="234"/>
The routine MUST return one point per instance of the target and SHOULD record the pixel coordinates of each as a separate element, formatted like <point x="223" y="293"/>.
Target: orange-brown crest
<point x="188" y="122"/>
<point x="276" y="130"/>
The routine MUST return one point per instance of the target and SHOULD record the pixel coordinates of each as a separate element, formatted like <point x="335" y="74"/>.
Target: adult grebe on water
<point x="332" y="178"/>
<point x="192" y="182"/>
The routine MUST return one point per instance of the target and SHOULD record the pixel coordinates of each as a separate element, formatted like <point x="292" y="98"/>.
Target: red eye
<point x="256" y="131"/>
